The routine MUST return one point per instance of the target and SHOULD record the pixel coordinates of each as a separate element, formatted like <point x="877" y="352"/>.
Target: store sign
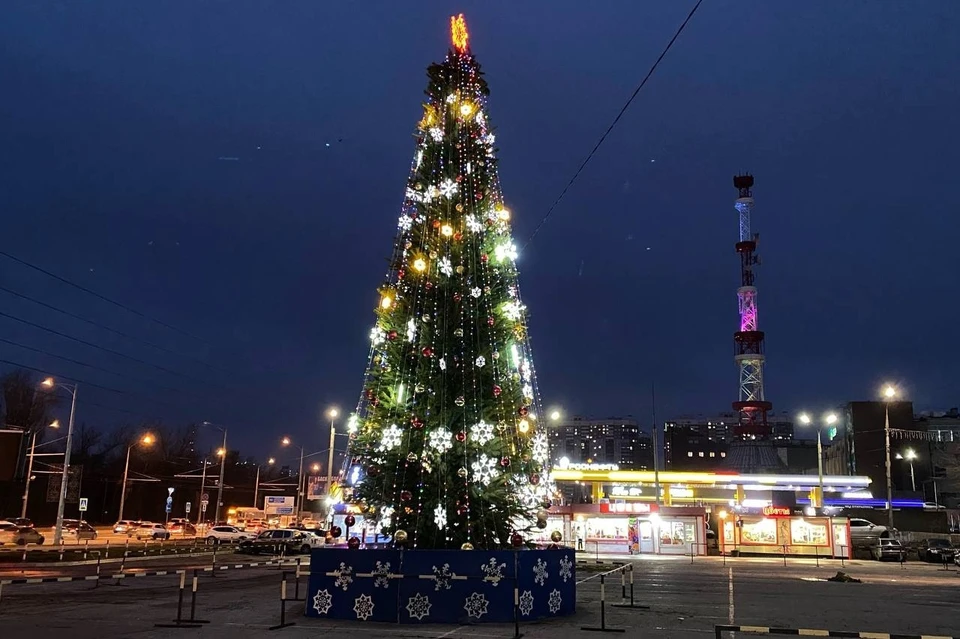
<point x="571" y="466"/>
<point x="638" y="508"/>
<point x="278" y="505"/>
<point x="679" y="493"/>
<point x="776" y="511"/>
<point x="624" y="491"/>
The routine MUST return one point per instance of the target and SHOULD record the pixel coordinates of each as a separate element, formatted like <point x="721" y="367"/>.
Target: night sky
<point x="235" y="170"/>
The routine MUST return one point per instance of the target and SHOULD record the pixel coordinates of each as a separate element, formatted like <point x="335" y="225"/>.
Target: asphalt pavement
<point x="685" y="600"/>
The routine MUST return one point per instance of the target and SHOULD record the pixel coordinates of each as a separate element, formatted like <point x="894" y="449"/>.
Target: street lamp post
<point x="910" y="455"/>
<point x="72" y="389"/>
<point x="223" y="464"/>
<point x="332" y="414"/>
<point x="889" y="392"/>
<point x="298" y="500"/>
<point x="806" y="421"/>
<point x="203" y="480"/>
<point x="146" y="440"/>
<point x="256" y="485"/>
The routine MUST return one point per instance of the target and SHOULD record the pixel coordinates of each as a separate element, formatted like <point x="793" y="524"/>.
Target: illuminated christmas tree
<point x="447" y="437"/>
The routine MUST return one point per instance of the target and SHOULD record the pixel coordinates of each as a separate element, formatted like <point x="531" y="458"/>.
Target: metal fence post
<point x="283" y="604"/>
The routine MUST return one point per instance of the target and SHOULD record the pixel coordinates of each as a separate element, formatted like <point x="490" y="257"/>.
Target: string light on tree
<point x="445" y="435"/>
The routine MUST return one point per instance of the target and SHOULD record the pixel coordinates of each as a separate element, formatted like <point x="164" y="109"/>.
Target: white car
<point x="864" y="532"/>
<point x="226" y="535"/>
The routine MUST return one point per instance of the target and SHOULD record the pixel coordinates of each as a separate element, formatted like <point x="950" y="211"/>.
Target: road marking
<point x="730" y="593"/>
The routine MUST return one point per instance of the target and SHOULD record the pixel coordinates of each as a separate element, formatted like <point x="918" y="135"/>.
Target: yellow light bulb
<point x="386" y="302"/>
<point x="420" y="264"/>
<point x="503" y="214"/>
<point x="524" y="426"/>
<point x="466" y="109"/>
<point x="446" y="230"/>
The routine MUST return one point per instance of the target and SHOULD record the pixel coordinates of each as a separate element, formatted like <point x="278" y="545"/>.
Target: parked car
<point x="936" y="550"/>
<point x="150" y="530"/>
<point x="125" y="526"/>
<point x="20" y="535"/>
<point x="23" y="522"/>
<point x="866" y="533"/>
<point x="181" y="527"/>
<point x="287" y="539"/>
<point x="226" y="535"/>
<point x="889" y="548"/>
<point x="77" y="529"/>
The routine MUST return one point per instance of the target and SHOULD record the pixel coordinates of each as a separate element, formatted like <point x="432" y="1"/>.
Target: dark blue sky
<point x="113" y="116"/>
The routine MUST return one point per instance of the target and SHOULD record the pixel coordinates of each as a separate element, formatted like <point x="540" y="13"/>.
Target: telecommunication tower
<point x="752" y="405"/>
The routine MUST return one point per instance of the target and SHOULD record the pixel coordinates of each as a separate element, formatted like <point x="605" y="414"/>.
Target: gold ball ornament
<point x="400" y="536"/>
<point x="555" y="536"/>
<point x="467" y="546"/>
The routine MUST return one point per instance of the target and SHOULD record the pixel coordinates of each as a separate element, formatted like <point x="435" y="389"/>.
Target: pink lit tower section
<point x="748" y="340"/>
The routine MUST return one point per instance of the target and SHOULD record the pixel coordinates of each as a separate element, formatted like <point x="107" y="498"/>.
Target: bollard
<point x="61" y="550"/>
<point x="296" y="591"/>
<point x="108" y="548"/>
<point x="598" y="550"/>
<point x="623" y="585"/>
<point x="816" y="552"/>
<point x="96" y="584"/>
<point x="843" y="555"/>
<point x="179" y="621"/>
<point x="283" y="604"/>
<point x="516" y="610"/>
<point x="632" y="604"/>
<point x="213" y="564"/>
<point x="24" y="554"/>
<point x="603" y="610"/>
<point x="193" y="600"/>
<point x="784" y="555"/>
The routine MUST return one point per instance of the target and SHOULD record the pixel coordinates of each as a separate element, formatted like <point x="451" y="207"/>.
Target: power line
<point x="97" y="346"/>
<point x="86" y="365"/>
<point x="92" y="385"/>
<point x="99" y="296"/>
<point x="614" y="123"/>
<point x="104" y="326"/>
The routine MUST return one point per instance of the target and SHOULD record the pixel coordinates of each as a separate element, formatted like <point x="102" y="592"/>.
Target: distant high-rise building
<point x="701" y="442"/>
<point x="614" y="440"/>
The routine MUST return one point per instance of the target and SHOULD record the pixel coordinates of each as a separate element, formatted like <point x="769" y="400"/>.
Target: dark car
<point x="887" y="548"/>
<point x="20" y="522"/>
<point x="936" y="550"/>
<point x="286" y="540"/>
<point x="181" y="527"/>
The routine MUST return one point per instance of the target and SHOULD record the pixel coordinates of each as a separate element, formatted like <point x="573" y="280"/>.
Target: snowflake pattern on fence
<point x="322" y="601"/>
<point x="344" y="575"/>
<point x="381" y="575"/>
<point x="363" y="606"/>
<point x="566" y="569"/>
<point x="493" y="572"/>
<point x="526" y="603"/>
<point x="418" y="606"/>
<point x="554" y="601"/>
<point x="540" y="573"/>
<point x="443" y="576"/>
<point x="476" y="605"/>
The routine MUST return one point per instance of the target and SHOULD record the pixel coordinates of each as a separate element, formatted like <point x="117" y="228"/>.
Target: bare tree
<point x="25" y="406"/>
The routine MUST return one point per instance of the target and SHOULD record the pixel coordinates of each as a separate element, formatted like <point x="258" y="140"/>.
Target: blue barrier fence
<point x="441" y="586"/>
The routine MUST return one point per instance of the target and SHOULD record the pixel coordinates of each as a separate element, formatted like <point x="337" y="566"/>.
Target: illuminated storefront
<point x="776" y="530"/>
<point x="630" y="528"/>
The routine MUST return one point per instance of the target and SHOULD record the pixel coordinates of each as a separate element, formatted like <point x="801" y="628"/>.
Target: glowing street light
<point x="910" y="455"/>
<point x="830" y="419"/>
<point x="51" y="384"/>
<point x="146" y="440"/>
<point x="889" y="393"/>
<point x="298" y="501"/>
<point x="256" y="484"/>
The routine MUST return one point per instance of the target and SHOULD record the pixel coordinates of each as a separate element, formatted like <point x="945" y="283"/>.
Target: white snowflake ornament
<point x="448" y="188"/>
<point x="481" y="433"/>
<point x="391" y="437"/>
<point x="439" y="440"/>
<point x="418" y="606"/>
<point x="484" y="469"/>
<point x="445" y="266"/>
<point x="440" y="516"/>
<point x="566" y="569"/>
<point x="436" y="133"/>
<point x="377" y="335"/>
<point x="480" y="361"/>
<point x="492" y="571"/>
<point x="540" y="573"/>
<point x="363" y="606"/>
<point x="405" y="222"/>
<point x="476" y="605"/>
<point x="554" y="601"/>
<point x="526" y="603"/>
<point x="322" y="601"/>
<point x="473" y="224"/>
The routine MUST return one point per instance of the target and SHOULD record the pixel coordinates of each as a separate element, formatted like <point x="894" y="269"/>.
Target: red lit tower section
<point x="748" y="341"/>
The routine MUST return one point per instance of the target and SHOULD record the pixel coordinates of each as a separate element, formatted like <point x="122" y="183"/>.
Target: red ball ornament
<point x="479" y="195"/>
<point x="459" y="178"/>
<point x="484" y="258"/>
<point x="416" y="422"/>
<point x="373" y="471"/>
<point x="350" y="520"/>
<point x="461" y="436"/>
<point x="535" y="479"/>
<point x="491" y="321"/>
<point x="496" y="391"/>
<point x="436" y="224"/>
<point x="458" y="236"/>
<point x="406" y="495"/>
<point x="335" y="532"/>
<point x="457" y="297"/>
<point x="392" y="335"/>
<point x="523" y="410"/>
<point x="462" y="509"/>
<point x="353" y="544"/>
<point x="400" y="274"/>
<point x="427" y="352"/>
<point x="504" y="461"/>
<point x="516" y="540"/>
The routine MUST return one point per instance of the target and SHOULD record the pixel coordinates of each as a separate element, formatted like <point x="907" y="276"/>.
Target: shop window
<point x="713" y="454"/>
<point x="689" y="453"/>
<point x="723" y="454"/>
<point x="805" y="533"/>
<point x="701" y="453"/>
<point x="760" y="532"/>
